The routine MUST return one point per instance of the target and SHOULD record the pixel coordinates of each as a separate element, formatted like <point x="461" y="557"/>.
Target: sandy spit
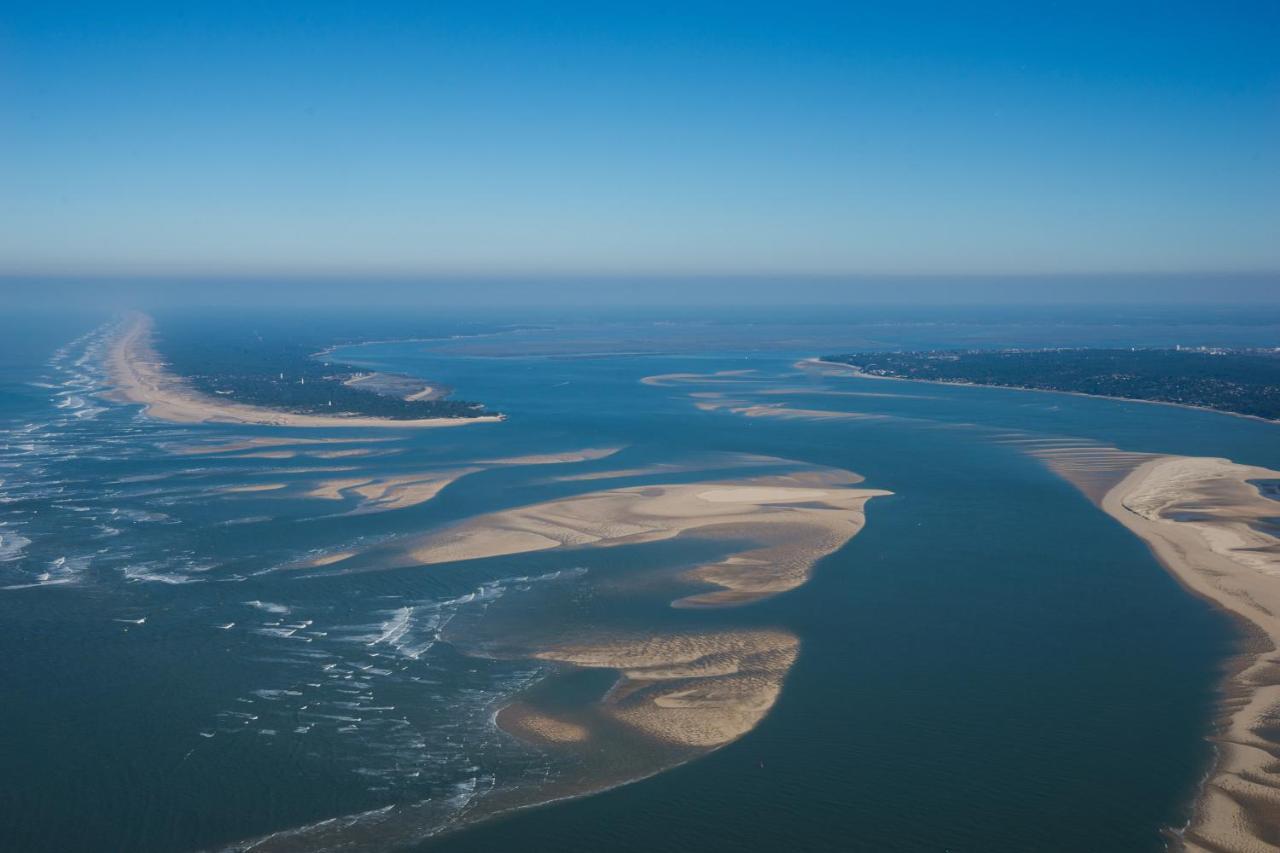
<point x="1200" y="517"/>
<point x="141" y="377"/>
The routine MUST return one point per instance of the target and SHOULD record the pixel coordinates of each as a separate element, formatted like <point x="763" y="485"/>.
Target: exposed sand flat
<point x="714" y="402"/>
<point x="243" y="444"/>
<point x="797" y="519"/>
<point x="529" y="724"/>
<point x="822" y="392"/>
<point x="696" y="690"/>
<point x="769" y="410"/>
<point x="334" y="490"/>
<point x="343" y="454"/>
<point x="667" y="379"/>
<point x="584" y="455"/>
<point x="329" y="559"/>
<point x="830" y="368"/>
<point x="1200" y="516"/>
<point x="1091" y="467"/>
<point x="256" y="487"/>
<point x="726" y="460"/>
<point x="314" y="454"/>
<point x="427" y="393"/>
<point x="141" y="377"/>
<point x="400" y="492"/>
<point x="386" y="493"/>
<point x="263" y="454"/>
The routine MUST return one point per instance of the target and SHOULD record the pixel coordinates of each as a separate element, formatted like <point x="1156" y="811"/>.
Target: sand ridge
<point x="389" y="492"/>
<point x="720" y="376"/>
<point x="586" y="454"/>
<point x="797" y="519"/>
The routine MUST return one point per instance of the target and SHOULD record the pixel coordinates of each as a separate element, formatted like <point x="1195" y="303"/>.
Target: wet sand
<point x="794" y="519"/>
<point x="587" y="454"/>
<point x="256" y="487"/>
<point x="386" y="493"/>
<point x="672" y="694"/>
<point x="1201" y="518"/>
<point x="1207" y="523"/>
<point x="700" y="690"/>
<point x="140" y="376"/>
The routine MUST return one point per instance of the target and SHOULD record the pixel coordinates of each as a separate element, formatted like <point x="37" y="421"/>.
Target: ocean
<point x="991" y="664"/>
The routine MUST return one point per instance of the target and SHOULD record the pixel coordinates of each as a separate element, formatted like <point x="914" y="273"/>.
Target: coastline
<point x="1194" y="514"/>
<point x="853" y="371"/>
<point x="140" y="377"/>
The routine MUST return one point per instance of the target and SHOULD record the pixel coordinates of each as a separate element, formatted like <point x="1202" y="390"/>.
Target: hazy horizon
<point x="722" y="292"/>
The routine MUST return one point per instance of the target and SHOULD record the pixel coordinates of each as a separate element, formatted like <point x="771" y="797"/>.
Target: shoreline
<point x="956" y="383"/>
<point x="139" y="376"/>
<point x="1218" y="556"/>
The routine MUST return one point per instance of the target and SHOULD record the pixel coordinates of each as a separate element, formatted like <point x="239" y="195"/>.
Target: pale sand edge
<point x="1219" y="818"/>
<point x="139" y="377"/>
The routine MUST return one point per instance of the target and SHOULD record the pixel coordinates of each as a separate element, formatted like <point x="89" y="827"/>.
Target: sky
<point x="434" y="139"/>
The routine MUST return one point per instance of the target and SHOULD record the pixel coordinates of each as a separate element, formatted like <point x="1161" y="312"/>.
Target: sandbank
<point x="794" y="519"/>
<point x="698" y="690"/>
<point x="387" y="493"/>
<point x="1207" y="523"/>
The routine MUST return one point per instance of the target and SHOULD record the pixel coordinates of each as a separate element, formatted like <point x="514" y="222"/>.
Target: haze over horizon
<point x="707" y="140"/>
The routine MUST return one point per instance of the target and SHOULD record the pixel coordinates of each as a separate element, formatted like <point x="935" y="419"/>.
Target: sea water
<point x="992" y="664"/>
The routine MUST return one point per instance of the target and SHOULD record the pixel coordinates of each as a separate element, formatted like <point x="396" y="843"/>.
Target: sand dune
<point x="141" y="377"/>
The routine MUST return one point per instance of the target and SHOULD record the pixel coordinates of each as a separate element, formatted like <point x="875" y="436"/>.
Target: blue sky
<point x="529" y="138"/>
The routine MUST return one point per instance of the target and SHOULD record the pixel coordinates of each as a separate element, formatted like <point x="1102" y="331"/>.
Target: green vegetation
<point x="1245" y="382"/>
<point x="282" y="366"/>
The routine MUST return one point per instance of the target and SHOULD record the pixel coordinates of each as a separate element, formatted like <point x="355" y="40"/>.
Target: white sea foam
<point x="153" y="573"/>
<point x="268" y="606"/>
<point x="12" y="545"/>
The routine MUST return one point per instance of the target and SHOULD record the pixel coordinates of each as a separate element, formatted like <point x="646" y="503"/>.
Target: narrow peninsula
<point x="141" y="375"/>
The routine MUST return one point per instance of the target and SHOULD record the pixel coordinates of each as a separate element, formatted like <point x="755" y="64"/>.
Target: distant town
<point x="1240" y="381"/>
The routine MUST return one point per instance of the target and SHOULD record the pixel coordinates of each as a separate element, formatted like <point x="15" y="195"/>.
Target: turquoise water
<point x="991" y="665"/>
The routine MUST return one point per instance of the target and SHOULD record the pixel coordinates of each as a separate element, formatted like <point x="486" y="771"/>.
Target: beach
<point x="139" y="376"/>
<point x="1205" y="521"/>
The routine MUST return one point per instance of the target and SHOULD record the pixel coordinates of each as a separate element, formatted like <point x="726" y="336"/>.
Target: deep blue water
<point x="991" y="665"/>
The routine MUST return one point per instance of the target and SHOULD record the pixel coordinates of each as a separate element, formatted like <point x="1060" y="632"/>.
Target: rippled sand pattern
<point x="797" y="519"/>
<point x="1207" y="523"/>
<point x="695" y="690"/>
